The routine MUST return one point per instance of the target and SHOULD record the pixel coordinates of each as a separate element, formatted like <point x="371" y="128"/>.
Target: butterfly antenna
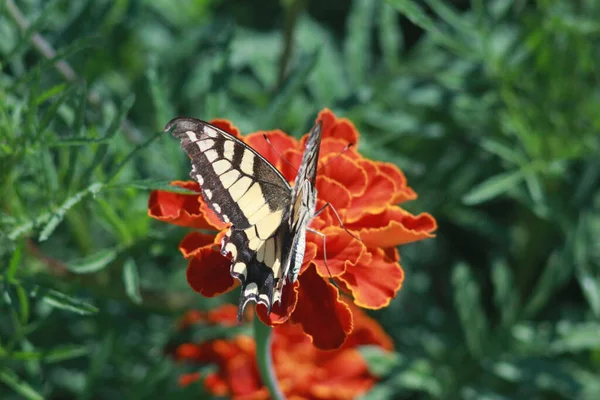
<point x="278" y="153"/>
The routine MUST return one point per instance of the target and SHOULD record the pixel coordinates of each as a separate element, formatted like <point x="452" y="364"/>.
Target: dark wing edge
<point x="254" y="242"/>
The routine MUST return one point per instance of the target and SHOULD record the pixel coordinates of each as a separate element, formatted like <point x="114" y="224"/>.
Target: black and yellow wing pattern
<point x="266" y="240"/>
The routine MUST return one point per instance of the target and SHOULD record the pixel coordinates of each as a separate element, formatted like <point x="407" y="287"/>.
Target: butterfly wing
<point x="243" y="189"/>
<point x="302" y="208"/>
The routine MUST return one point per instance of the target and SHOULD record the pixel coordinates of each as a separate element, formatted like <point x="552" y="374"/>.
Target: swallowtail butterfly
<point x="269" y="219"/>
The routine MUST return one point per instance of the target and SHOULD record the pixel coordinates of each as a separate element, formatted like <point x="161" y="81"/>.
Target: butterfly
<point x="269" y="219"/>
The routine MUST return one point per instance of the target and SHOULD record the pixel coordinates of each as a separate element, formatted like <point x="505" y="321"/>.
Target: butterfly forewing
<point x="243" y="189"/>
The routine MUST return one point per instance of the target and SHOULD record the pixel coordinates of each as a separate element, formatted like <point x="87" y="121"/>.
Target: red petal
<point x="333" y="146"/>
<point x="324" y="317"/>
<point x="345" y="171"/>
<point x="216" y="385"/>
<point x="280" y="312"/>
<point x="341" y="128"/>
<point x="177" y="208"/>
<point x="402" y="192"/>
<point x="374" y="280"/>
<point x="193" y="242"/>
<point x="378" y="195"/>
<point x="289" y="169"/>
<point x="393" y="227"/>
<point x="226" y="315"/>
<point x="367" y="331"/>
<point x="330" y="191"/>
<point x="243" y="375"/>
<point x="227" y="126"/>
<point x="187" y="379"/>
<point x="208" y="272"/>
<point x="279" y="143"/>
<point x="210" y="215"/>
<point x="342" y="251"/>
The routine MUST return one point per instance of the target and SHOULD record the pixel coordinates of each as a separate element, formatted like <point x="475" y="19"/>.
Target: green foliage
<point x="491" y="110"/>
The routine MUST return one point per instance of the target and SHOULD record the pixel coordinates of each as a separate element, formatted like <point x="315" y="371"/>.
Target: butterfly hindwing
<point x="243" y="189"/>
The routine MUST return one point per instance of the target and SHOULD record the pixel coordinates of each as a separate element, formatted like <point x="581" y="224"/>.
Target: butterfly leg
<point x="324" y="248"/>
<point x="320" y="210"/>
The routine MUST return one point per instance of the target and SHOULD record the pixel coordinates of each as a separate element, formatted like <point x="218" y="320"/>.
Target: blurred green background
<point x="491" y="108"/>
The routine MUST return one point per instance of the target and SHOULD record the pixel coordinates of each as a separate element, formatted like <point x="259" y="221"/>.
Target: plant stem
<point x="262" y="337"/>
<point x="292" y="11"/>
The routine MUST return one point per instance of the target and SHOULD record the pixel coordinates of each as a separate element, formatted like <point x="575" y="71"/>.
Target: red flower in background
<point x="365" y="194"/>
<point x="301" y="370"/>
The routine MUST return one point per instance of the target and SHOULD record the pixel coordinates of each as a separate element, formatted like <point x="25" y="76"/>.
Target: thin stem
<point x="262" y="337"/>
<point x="292" y="10"/>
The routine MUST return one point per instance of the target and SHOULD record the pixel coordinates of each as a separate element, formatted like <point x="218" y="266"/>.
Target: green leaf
<point x="357" y="46"/>
<point x="23" y="304"/>
<point x="150" y="184"/>
<point x="12" y="380"/>
<point x="379" y="361"/>
<point x="112" y="130"/>
<point x="15" y="261"/>
<point x="77" y="141"/>
<point x="58" y="216"/>
<point x="506" y="293"/>
<point x="55" y="355"/>
<point x="575" y="338"/>
<point x="93" y="263"/>
<point x="390" y="36"/>
<point x="53" y="91"/>
<point x="417" y="16"/>
<point x="290" y="87"/>
<point x="493" y="187"/>
<point x="129" y="156"/>
<point x="64" y="302"/>
<point x="163" y="111"/>
<point x="131" y="279"/>
<point x="467" y="299"/>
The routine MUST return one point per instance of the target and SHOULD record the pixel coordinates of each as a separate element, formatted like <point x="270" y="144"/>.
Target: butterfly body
<point x="269" y="219"/>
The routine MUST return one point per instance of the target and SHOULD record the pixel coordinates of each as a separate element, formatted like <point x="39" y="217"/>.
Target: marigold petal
<point x="394" y="227"/>
<point x="208" y="272"/>
<point x="226" y="314"/>
<point x="280" y="312"/>
<point x="324" y="317"/>
<point x="367" y="331"/>
<point x="188" y="351"/>
<point x="334" y="146"/>
<point x="216" y="385"/>
<point x="330" y="191"/>
<point x="279" y="142"/>
<point x="374" y="280"/>
<point x="342" y="251"/>
<point x="342" y="364"/>
<point x="347" y="172"/>
<point x="178" y="208"/>
<point x="243" y="375"/>
<point x="378" y="195"/>
<point x="210" y="215"/>
<point x="342" y="390"/>
<point x="193" y="242"/>
<point x="402" y="191"/>
<point x="190" y="318"/>
<point x="227" y="126"/>
<point x="341" y="128"/>
<point x="290" y="163"/>
<point x="187" y="379"/>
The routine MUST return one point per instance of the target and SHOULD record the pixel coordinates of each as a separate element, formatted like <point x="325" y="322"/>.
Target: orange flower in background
<point x="365" y="194"/>
<point x="301" y="370"/>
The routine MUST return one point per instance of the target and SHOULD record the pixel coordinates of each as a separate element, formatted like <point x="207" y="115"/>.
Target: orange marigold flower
<point x="366" y="195"/>
<point x="302" y="370"/>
